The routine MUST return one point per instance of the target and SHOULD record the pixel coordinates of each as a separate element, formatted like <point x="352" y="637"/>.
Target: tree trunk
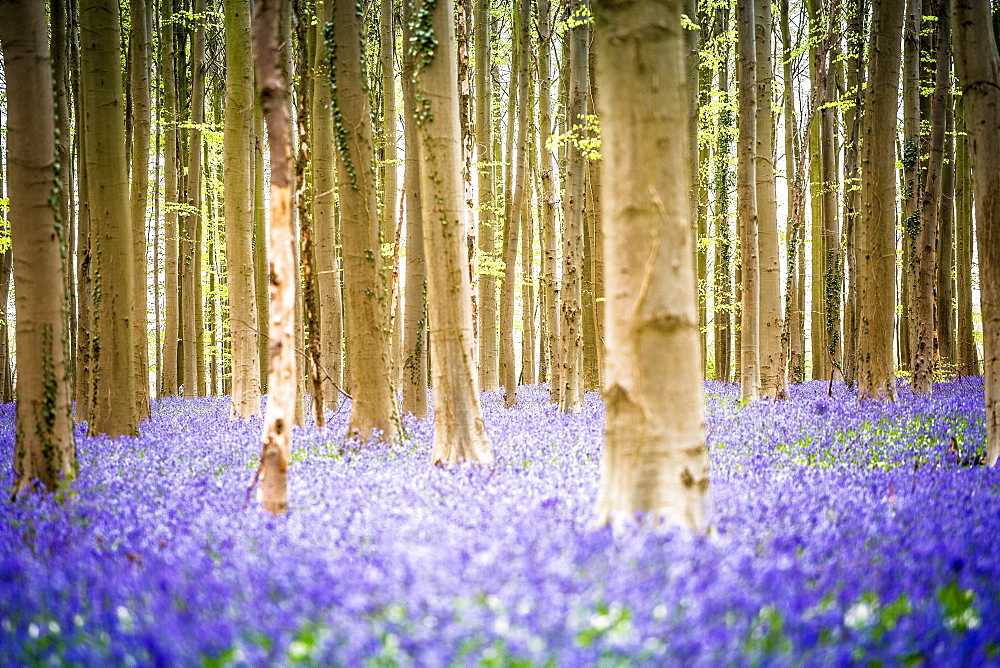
<point x="140" y="65"/>
<point x="926" y="255"/>
<point x="260" y="244"/>
<point x="945" y="311"/>
<point x="911" y="188"/>
<point x="44" y="448"/>
<point x="373" y="408"/>
<point x="723" y="286"/>
<point x="528" y="310"/>
<point x="171" y="140"/>
<point x="191" y="233"/>
<point x="817" y="255"/>
<point x="547" y="223"/>
<point x="489" y="378"/>
<point x="852" y="191"/>
<point x="515" y="220"/>
<point x="325" y="219"/>
<point x="832" y="277"/>
<point x="304" y="200"/>
<point x="279" y="416"/>
<point x="60" y="21"/>
<point x="571" y="327"/>
<point x="772" y="382"/>
<point x="968" y="358"/>
<point x="238" y="187"/>
<point x="113" y="412"/>
<point x="655" y="460"/>
<point x="746" y="179"/>
<point x="876" y="247"/>
<point x="415" y="307"/>
<point x="978" y="67"/>
<point x="459" y="432"/>
<point x="390" y="187"/>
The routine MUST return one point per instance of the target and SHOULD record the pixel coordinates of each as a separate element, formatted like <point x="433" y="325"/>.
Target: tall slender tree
<point x="45" y="456"/>
<point x="459" y="431"/>
<point x="489" y="374"/>
<point x="746" y="179"/>
<point x="171" y="141"/>
<point x="238" y="186"/>
<point x="926" y="242"/>
<point x="373" y="408"/>
<point x="279" y="416"/>
<point x="571" y="306"/>
<point x="139" y="67"/>
<point x="876" y="232"/>
<point x="113" y="412"/>
<point x="772" y="381"/>
<point x="324" y="173"/>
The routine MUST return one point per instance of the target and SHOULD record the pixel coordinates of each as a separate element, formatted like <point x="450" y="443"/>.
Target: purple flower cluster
<point x="842" y="532"/>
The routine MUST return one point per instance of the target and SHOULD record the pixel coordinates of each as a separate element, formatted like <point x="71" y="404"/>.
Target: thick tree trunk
<point x="279" y="416"/>
<point x="238" y="186"/>
<point x="113" y="412"/>
<point x="459" y="432"/>
<point x="876" y="246"/>
<point x="373" y="407"/>
<point x="140" y="65"/>
<point x="978" y="67"/>
<point x="655" y="460"/>
<point x="45" y="453"/>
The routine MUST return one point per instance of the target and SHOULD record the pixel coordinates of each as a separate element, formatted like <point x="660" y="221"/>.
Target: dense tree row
<point x="648" y="193"/>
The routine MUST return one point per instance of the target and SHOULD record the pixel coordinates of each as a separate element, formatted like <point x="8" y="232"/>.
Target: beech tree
<point x="238" y="204"/>
<point x="459" y="431"/>
<point x="876" y="247"/>
<point x="113" y="411"/>
<point x="571" y="297"/>
<point x="45" y="456"/>
<point x="280" y="413"/>
<point x="324" y="173"/>
<point x="746" y="193"/>
<point x="978" y="66"/>
<point x="373" y="409"/>
<point x="655" y="459"/>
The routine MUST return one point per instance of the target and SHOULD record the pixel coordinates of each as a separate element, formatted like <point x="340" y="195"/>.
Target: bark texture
<point x="655" y="460"/>
<point x="373" y="408"/>
<point x="876" y="243"/>
<point x="113" y="412"/>
<point x="272" y="87"/>
<point x="459" y="431"/>
<point x="45" y="455"/>
<point x="238" y="208"/>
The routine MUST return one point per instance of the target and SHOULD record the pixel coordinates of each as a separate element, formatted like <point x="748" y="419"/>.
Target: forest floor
<point x="841" y="532"/>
